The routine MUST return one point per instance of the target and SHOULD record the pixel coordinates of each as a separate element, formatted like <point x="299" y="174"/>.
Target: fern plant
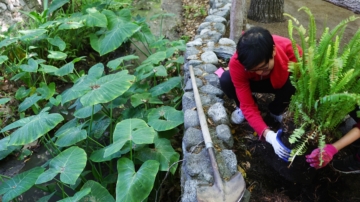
<point x="326" y="81"/>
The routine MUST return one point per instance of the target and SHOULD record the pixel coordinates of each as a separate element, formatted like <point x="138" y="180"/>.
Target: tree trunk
<point x="266" y="11"/>
<point x="237" y="19"/>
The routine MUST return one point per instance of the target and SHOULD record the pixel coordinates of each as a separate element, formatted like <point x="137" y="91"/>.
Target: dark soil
<point x="269" y="178"/>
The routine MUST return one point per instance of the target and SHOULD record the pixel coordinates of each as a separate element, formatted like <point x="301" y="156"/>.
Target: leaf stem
<point x="111" y="122"/>
<point x="96" y="142"/>
<point x="140" y="48"/>
<point x="52" y="144"/>
<point x="4" y="176"/>
<point x="90" y="125"/>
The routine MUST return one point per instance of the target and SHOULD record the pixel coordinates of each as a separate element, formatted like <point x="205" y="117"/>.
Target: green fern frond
<point x="328" y="37"/>
<point x="313" y="77"/>
<point x="344" y="58"/>
<point x="297" y="134"/>
<point x="312" y="26"/>
<point x="301" y="148"/>
<point x="322" y="76"/>
<point x="334" y="72"/>
<point x="336" y="48"/>
<point x="321" y="145"/>
<point x="323" y="86"/>
<point x="355" y="86"/>
<point x="341" y="84"/>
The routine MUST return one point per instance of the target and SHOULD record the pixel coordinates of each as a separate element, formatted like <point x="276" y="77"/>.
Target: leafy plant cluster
<point x="122" y="113"/>
<point x="194" y="10"/>
<point x="326" y="78"/>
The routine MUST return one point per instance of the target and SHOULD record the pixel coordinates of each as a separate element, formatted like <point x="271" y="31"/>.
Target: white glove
<point x="280" y="149"/>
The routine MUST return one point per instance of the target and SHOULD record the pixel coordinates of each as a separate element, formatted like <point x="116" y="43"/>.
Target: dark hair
<point x="255" y="46"/>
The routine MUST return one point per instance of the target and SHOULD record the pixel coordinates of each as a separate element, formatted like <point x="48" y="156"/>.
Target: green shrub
<point x="326" y="79"/>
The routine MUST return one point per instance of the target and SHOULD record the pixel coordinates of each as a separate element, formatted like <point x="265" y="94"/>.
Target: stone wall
<point x="203" y="53"/>
<point x="9" y="11"/>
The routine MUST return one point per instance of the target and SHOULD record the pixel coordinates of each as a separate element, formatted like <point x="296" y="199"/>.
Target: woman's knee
<point x="225" y="80"/>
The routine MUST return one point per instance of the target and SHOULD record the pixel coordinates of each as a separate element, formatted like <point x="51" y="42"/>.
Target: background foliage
<point x="104" y="115"/>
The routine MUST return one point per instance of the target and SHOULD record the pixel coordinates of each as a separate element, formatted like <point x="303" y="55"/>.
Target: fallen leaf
<point x="247" y="153"/>
<point x="242" y="171"/>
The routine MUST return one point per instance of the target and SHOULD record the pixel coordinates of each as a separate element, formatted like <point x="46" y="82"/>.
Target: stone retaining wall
<point x="203" y="54"/>
<point x="9" y="11"/>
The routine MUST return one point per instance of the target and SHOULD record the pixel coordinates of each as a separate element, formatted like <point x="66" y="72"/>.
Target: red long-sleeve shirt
<point x="278" y="77"/>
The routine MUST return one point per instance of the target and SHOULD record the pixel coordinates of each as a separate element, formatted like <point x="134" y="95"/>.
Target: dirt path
<point x="326" y="15"/>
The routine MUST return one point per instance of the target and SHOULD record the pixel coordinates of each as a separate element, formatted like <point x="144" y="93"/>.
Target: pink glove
<point x="327" y="154"/>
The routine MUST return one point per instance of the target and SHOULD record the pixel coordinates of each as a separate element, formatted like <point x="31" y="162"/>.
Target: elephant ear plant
<point x="114" y="141"/>
<point x="326" y="78"/>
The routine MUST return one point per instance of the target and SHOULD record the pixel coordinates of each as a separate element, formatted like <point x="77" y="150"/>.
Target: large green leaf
<point x="32" y="66"/>
<point x="22" y="92"/>
<point x="55" y="101"/>
<point x="28" y="102"/>
<point x="19" y="183"/>
<point x="5" y="150"/>
<point x="46" y="91"/>
<point x="145" y="34"/>
<point x="165" y="86"/>
<point x="143" y="98"/>
<point x="58" y="42"/>
<point x="46" y="198"/>
<point x="71" y="136"/>
<point x="31" y="34"/>
<point x="71" y="25"/>
<point x="165" y="118"/>
<point x="111" y="150"/>
<point x="114" y="64"/>
<point x="64" y="128"/>
<point x="134" y="186"/>
<point x="83" y="84"/>
<point x="98" y="193"/>
<point x="123" y="16"/>
<point x="3" y="58"/>
<point x="120" y="29"/>
<point x="94" y="18"/>
<point x="99" y="126"/>
<point x="96" y="70"/>
<point x="48" y="68"/>
<point x="4" y="100"/>
<point x="150" y="70"/>
<point x="155" y="58"/>
<point x="81" y="87"/>
<point x="47" y="176"/>
<point x="8" y="151"/>
<point x="98" y="155"/>
<point x="107" y="88"/>
<point x="95" y="42"/>
<point x="69" y="163"/>
<point x="163" y="153"/>
<point x="57" y="55"/>
<point x="87" y="111"/>
<point x="32" y="127"/>
<point x="19" y="76"/>
<point x="78" y="196"/>
<point x="7" y="41"/>
<point x="135" y="130"/>
<point x="65" y="69"/>
<point x="56" y="4"/>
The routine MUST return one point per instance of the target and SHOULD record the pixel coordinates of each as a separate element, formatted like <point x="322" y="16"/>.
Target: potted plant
<point x="327" y="84"/>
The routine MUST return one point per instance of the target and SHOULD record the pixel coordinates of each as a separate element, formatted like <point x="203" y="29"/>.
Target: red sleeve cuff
<point x="261" y="134"/>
